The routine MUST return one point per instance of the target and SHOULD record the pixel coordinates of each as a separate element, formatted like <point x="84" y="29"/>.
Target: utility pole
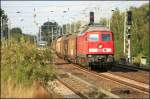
<point x="38" y="36"/>
<point x="59" y="31"/>
<point x="110" y="20"/>
<point x="109" y="24"/>
<point x="1" y="28"/>
<point x="74" y="27"/>
<point x="48" y="39"/>
<point x="52" y="33"/>
<point x="66" y="28"/>
<point x="124" y="35"/>
<point x="40" y="33"/>
<point x="62" y="30"/>
<point x="9" y="26"/>
<point x="70" y="27"/>
<point x="34" y="16"/>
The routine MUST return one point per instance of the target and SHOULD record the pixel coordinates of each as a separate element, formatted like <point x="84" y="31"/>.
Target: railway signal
<point x="91" y="18"/>
<point x="127" y="36"/>
<point x="129" y="20"/>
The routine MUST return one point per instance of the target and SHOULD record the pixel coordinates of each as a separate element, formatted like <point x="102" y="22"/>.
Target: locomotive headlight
<point x="100" y="46"/>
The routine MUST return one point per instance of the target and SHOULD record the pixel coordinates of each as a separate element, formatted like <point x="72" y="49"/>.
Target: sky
<point x="54" y="11"/>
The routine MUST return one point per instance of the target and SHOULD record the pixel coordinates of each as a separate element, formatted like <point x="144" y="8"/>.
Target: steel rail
<point x="122" y="82"/>
<point x="132" y="67"/>
<point x="74" y="90"/>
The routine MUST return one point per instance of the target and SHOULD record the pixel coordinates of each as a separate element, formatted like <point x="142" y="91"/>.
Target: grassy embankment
<point x="22" y="68"/>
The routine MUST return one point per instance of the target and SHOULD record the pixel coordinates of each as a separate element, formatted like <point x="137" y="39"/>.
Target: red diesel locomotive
<point x="92" y="47"/>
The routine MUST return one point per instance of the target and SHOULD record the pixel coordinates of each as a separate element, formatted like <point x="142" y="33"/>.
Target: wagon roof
<point x="70" y="36"/>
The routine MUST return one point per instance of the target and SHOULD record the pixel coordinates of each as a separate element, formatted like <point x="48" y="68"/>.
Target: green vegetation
<point x="48" y="27"/>
<point x="23" y="63"/>
<point x="17" y="35"/>
<point x="117" y="25"/>
<point x="103" y="21"/>
<point x="139" y="32"/>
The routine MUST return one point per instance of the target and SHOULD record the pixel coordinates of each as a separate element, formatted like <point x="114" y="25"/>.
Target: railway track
<point x="100" y="81"/>
<point x="125" y="86"/>
<point x="64" y="80"/>
<point x="129" y="82"/>
<point x="83" y="88"/>
<point x="60" y="89"/>
<point x="122" y="88"/>
<point x="136" y="75"/>
<point x="132" y="67"/>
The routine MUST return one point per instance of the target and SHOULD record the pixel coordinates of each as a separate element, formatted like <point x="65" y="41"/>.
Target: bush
<point x="137" y="59"/>
<point x="23" y="63"/>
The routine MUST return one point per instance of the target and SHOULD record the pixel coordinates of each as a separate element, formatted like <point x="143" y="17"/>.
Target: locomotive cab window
<point x="106" y="37"/>
<point x="93" y="37"/>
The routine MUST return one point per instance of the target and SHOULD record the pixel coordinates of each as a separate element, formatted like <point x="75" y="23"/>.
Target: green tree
<point x="117" y="23"/>
<point x="139" y="31"/>
<point x="16" y="30"/>
<point x="103" y="21"/>
<point x="16" y="33"/>
<point x="47" y="29"/>
<point x="77" y="25"/>
<point x="64" y="29"/>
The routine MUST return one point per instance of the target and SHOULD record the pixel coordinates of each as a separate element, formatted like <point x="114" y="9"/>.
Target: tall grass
<point x="22" y="64"/>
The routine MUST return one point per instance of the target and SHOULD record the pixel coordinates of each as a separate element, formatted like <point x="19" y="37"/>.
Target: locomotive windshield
<point x="106" y="37"/>
<point x="93" y="37"/>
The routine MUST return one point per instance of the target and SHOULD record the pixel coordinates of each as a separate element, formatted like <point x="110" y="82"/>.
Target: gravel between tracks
<point x="62" y="90"/>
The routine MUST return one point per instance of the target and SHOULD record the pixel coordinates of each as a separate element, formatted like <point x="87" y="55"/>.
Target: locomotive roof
<point x="94" y="28"/>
